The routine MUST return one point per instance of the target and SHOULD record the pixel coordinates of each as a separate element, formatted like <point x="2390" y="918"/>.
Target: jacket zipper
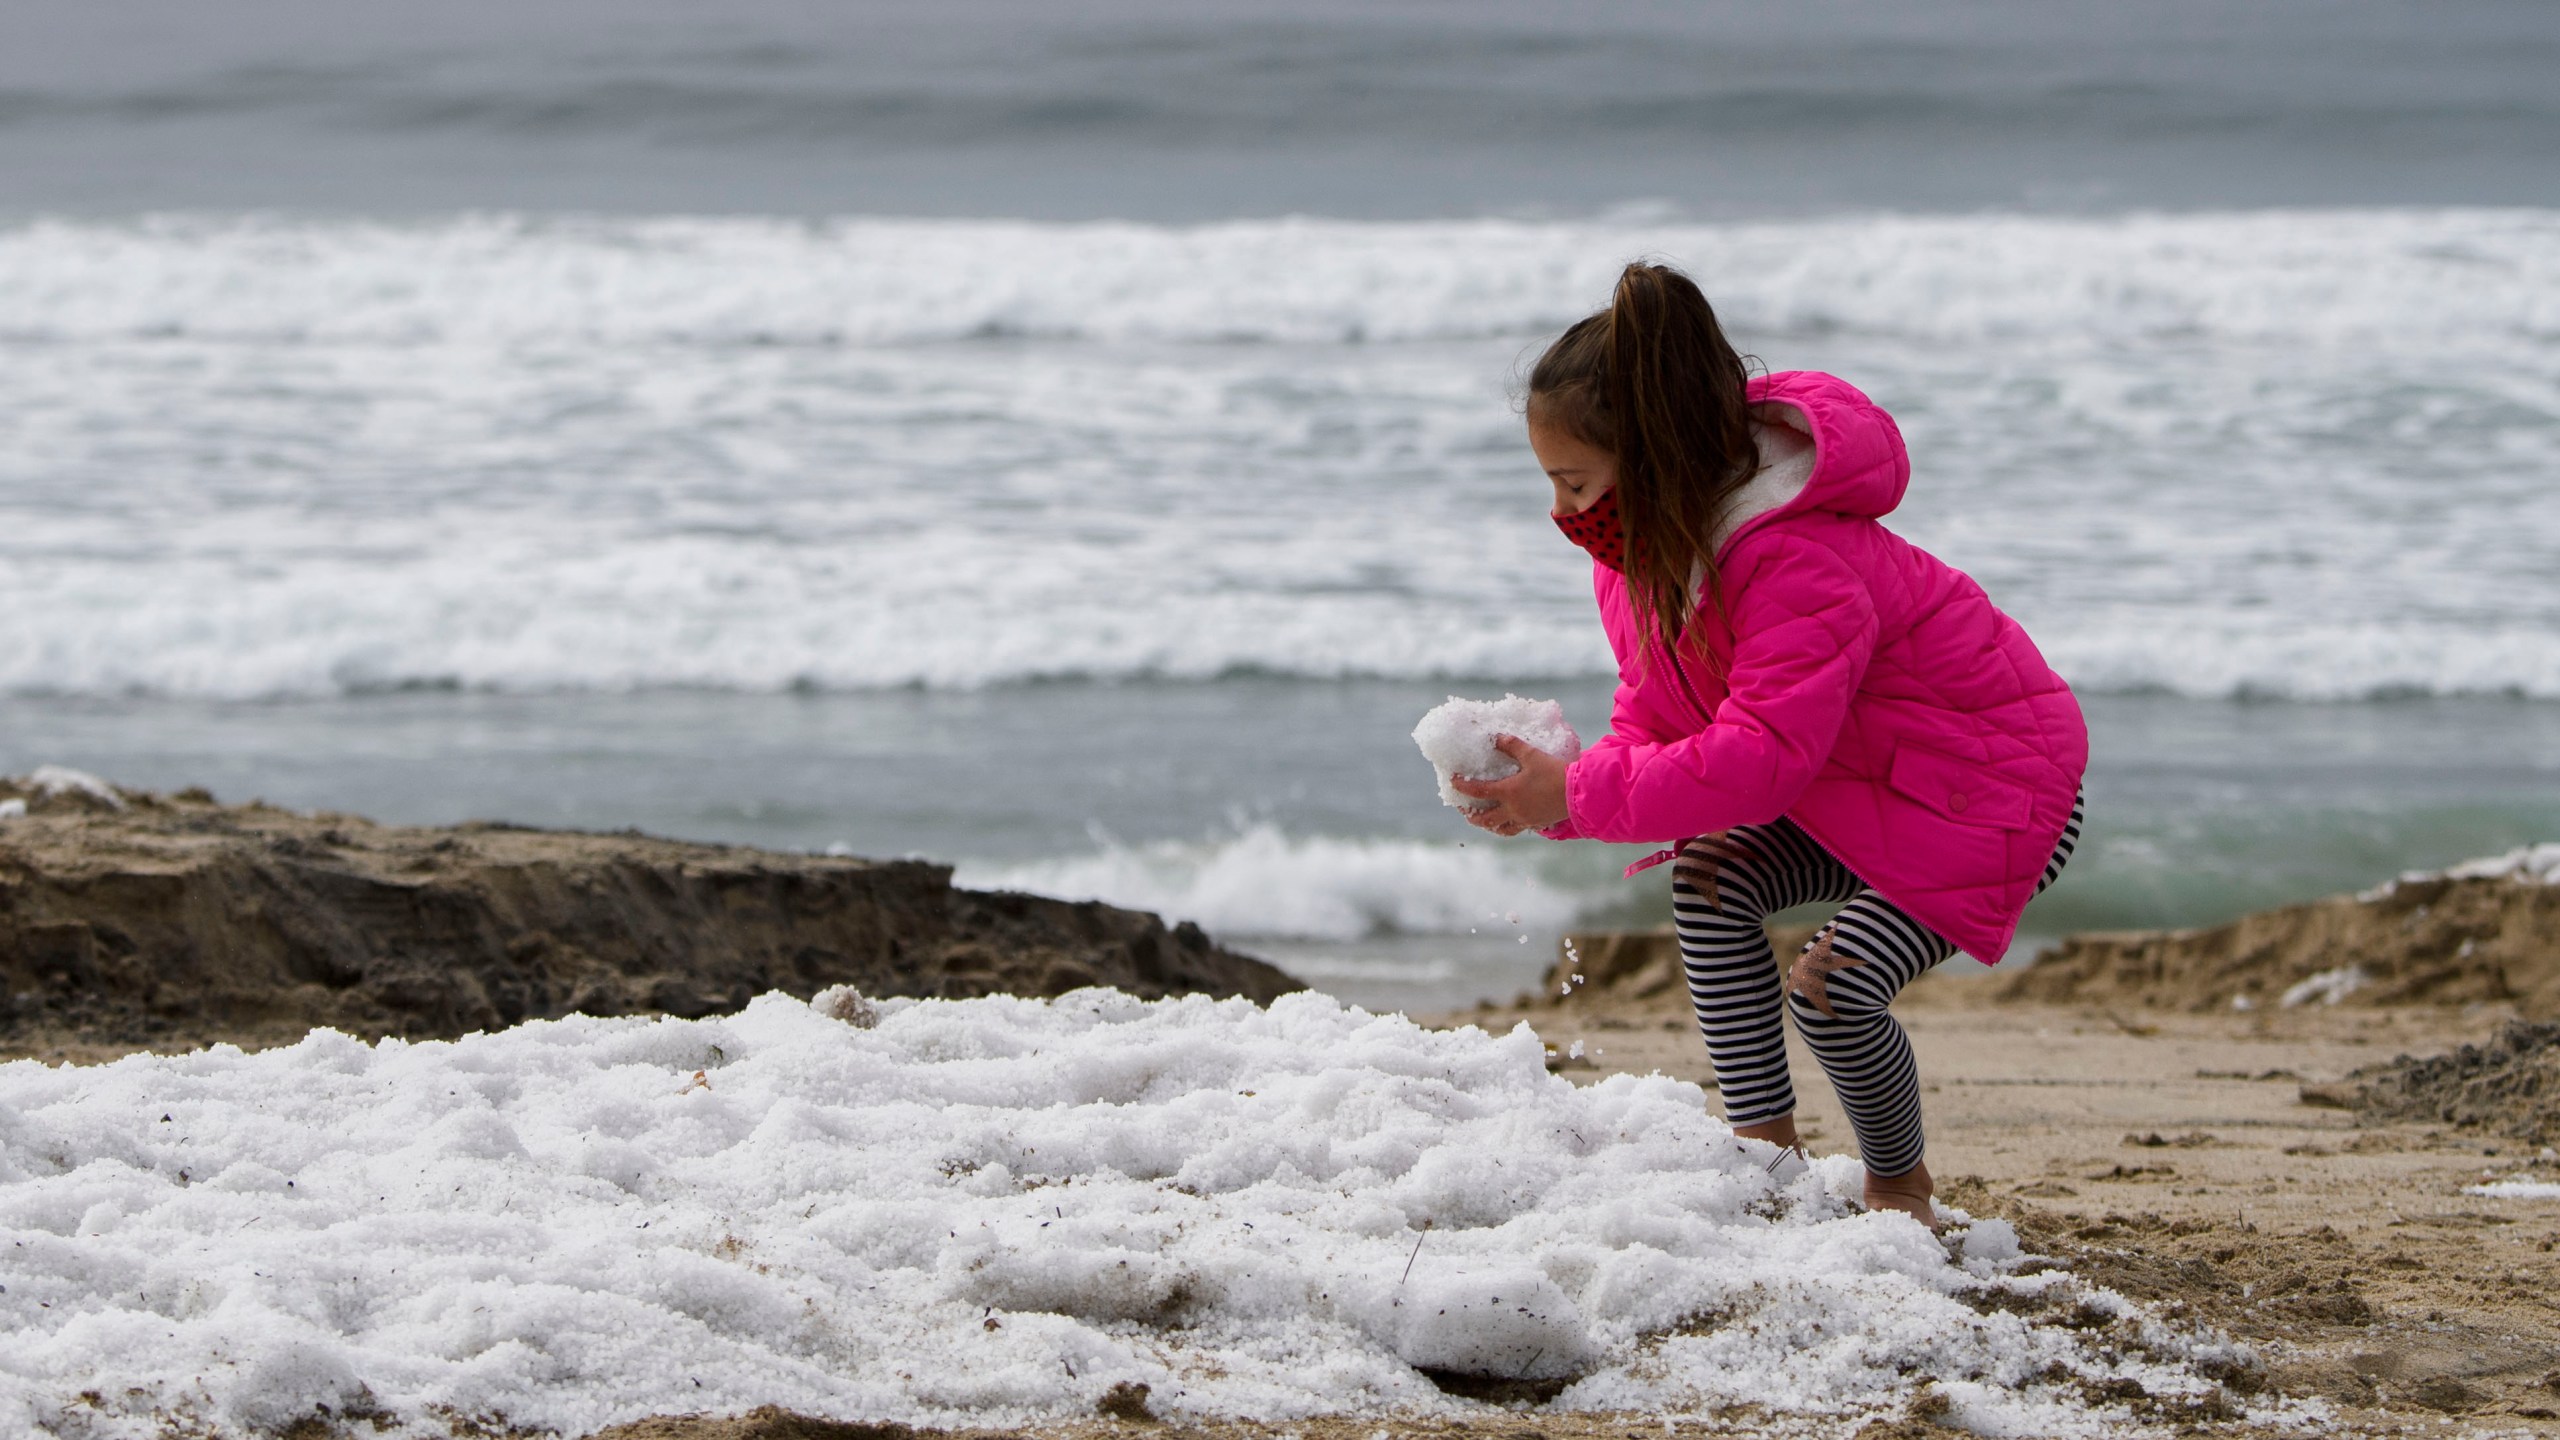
<point x="1697" y="707"/>
<point x="1681" y="674"/>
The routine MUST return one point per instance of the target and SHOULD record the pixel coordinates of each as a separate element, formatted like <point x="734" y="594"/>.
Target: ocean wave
<point x="720" y="619"/>
<point x="2471" y="279"/>
<point x="518" y="622"/>
<point x="2300" y="455"/>
<point x="1264" y="883"/>
<point x="2211" y="658"/>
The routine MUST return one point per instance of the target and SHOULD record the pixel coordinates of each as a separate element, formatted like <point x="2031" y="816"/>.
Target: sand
<point x="2508" y="1087"/>
<point x="134" y="920"/>
<point x="2423" y="941"/>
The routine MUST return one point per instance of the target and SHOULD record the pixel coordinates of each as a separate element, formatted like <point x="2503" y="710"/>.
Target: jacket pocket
<point x="1965" y="793"/>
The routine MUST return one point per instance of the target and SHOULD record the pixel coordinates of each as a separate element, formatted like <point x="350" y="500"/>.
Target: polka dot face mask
<point x="1597" y="530"/>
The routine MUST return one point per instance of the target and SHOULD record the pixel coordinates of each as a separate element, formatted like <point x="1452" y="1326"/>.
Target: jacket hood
<point x="1859" y="465"/>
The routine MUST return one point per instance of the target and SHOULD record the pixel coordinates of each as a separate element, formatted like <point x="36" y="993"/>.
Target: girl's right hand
<point x="1531" y="798"/>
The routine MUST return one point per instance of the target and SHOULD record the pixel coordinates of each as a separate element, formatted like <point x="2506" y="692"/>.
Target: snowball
<point x="1510" y="1323"/>
<point x="1995" y="1241"/>
<point x="292" y="1378"/>
<point x="1457" y="738"/>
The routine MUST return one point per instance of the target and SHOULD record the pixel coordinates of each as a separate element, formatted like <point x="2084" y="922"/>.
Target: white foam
<point x="51" y="780"/>
<point x="2537" y="864"/>
<point x="2529" y="864"/>
<point x="262" y="457"/>
<point x="983" y="1213"/>
<point x="2424" y="277"/>
<point x="1457" y="737"/>
<point x="2516" y="1190"/>
<point x="2200" y="652"/>
<point x="2327" y="988"/>
<point x="1263" y="882"/>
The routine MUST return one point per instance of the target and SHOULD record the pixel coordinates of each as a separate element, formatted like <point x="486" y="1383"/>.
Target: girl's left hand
<point x="1530" y="800"/>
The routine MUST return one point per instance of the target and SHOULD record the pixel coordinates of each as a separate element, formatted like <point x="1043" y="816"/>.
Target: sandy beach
<point x="708" y="717"/>
<point x="2234" y="1134"/>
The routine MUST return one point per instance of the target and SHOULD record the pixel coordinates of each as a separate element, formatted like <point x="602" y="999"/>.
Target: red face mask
<point x="1597" y="530"/>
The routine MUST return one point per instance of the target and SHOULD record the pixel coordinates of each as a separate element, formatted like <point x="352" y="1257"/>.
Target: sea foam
<point x="2285" y="454"/>
<point x="2434" y="279"/>
<point x="1262" y="883"/>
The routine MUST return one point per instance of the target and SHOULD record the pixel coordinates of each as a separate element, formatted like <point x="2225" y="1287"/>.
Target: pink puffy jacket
<point x="1855" y="684"/>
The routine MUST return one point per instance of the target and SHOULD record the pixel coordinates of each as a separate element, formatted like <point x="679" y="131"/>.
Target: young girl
<point x="1810" y="708"/>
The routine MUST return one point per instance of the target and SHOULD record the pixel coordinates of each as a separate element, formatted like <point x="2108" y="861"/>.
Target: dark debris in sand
<point x="2509" y="1086"/>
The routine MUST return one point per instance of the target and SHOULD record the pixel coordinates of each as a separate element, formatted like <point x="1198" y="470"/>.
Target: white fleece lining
<point x="1785" y="439"/>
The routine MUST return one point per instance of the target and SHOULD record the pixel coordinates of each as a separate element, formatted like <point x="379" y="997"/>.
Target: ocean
<point x="1078" y="445"/>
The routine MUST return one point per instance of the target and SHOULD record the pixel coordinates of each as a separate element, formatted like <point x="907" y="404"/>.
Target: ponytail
<point x="1653" y="380"/>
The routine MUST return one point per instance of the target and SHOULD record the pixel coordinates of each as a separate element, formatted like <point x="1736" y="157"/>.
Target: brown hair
<point x="1653" y="381"/>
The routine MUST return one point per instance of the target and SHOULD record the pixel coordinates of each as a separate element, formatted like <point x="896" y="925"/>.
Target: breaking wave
<point x="2298" y="454"/>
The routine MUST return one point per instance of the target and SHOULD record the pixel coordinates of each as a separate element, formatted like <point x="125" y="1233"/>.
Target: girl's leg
<point x="1873" y="950"/>
<point x="1862" y="960"/>
<point x="1722" y="889"/>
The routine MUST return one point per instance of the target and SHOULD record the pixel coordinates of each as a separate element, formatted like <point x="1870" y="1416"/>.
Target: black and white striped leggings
<point x="1722" y="890"/>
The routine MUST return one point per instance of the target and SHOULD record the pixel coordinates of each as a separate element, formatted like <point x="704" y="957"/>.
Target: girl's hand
<point x="1530" y="800"/>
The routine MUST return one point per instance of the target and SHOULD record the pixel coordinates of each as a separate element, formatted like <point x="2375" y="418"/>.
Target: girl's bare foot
<point x="1908" y="1193"/>
<point x="1780" y="1132"/>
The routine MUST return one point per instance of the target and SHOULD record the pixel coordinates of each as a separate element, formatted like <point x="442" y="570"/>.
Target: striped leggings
<point x="1722" y="890"/>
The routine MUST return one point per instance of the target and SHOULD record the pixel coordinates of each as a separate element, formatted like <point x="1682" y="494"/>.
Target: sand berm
<point x="137" y="920"/>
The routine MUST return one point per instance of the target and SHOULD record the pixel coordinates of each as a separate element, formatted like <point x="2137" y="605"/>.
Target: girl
<point x="1810" y="708"/>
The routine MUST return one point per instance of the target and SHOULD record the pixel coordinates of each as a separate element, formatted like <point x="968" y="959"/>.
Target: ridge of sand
<point x="2425" y="940"/>
<point x="130" y="919"/>
<point x="2444" y="940"/>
